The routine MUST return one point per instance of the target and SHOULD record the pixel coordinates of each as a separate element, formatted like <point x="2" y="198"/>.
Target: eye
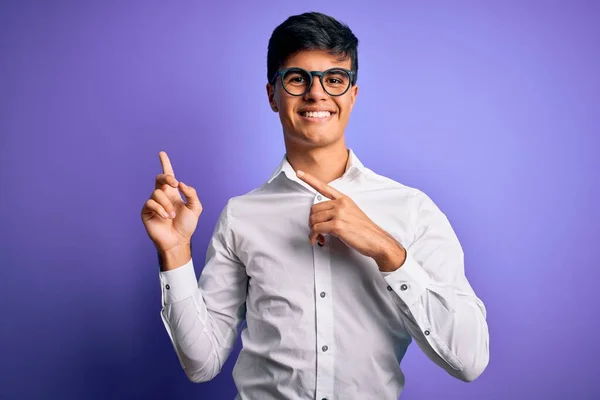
<point x="336" y="78"/>
<point x="295" y="78"/>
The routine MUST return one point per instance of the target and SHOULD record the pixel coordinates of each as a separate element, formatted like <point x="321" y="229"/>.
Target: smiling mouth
<point x="316" y="114"/>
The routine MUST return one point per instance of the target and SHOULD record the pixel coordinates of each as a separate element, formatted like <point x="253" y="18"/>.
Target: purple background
<point x="492" y="108"/>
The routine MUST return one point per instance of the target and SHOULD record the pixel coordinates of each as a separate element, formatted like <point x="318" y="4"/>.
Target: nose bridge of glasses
<point x="317" y="76"/>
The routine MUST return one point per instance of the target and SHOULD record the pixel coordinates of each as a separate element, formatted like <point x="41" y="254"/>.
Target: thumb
<point x="191" y="198"/>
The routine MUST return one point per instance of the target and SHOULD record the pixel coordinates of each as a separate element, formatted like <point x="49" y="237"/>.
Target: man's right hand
<point x="169" y="221"/>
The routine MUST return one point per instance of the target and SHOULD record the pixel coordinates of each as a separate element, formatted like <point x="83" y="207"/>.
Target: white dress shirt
<point x="324" y="322"/>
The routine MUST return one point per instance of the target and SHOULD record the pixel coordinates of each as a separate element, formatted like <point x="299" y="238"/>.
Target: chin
<point x="314" y="138"/>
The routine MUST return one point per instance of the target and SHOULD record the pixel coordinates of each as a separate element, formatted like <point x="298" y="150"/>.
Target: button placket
<point x="324" y="322"/>
<point x="319" y="199"/>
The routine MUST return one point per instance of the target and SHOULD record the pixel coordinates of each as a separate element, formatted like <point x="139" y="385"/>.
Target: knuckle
<point x="161" y="198"/>
<point x="337" y="225"/>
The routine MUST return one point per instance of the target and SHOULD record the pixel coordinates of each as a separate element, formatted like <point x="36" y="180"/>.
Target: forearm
<point x="187" y="321"/>
<point x="448" y="322"/>
<point x="459" y="338"/>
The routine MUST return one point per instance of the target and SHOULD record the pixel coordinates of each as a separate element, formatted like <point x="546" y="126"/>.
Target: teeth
<point x="316" y="114"/>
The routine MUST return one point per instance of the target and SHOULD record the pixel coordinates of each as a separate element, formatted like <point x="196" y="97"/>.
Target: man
<point x="334" y="268"/>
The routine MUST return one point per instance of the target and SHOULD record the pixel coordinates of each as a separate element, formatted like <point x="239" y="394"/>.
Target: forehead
<point x="316" y="60"/>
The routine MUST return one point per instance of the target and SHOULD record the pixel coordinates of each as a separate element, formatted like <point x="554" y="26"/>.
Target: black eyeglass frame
<point x="320" y="74"/>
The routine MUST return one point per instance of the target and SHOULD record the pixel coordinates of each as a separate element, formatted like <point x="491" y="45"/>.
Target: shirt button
<point x="168" y="287"/>
<point x="426" y="332"/>
<point x="319" y="197"/>
<point x="389" y="288"/>
<point x="324" y="348"/>
<point x="404" y="287"/>
<point x="322" y="294"/>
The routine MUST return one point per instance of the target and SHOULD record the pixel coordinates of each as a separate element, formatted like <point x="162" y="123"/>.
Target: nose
<point x="316" y="91"/>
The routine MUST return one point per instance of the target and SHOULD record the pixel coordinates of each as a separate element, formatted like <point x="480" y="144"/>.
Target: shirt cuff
<point x="409" y="281"/>
<point x="179" y="283"/>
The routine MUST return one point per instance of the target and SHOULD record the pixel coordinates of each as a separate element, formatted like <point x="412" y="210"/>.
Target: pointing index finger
<point x="166" y="163"/>
<point x="319" y="186"/>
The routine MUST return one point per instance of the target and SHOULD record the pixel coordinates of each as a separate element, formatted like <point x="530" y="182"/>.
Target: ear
<point x="353" y="94"/>
<point x="271" y="96"/>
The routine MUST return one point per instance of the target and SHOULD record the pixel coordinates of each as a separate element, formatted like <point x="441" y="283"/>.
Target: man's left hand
<point x="342" y="218"/>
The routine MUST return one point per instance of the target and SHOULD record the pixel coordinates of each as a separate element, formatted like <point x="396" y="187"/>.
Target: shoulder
<point x="378" y="181"/>
<point x="238" y="205"/>
<point x="414" y="198"/>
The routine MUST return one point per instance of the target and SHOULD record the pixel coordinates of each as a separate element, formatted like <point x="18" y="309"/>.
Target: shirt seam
<point x="229" y="229"/>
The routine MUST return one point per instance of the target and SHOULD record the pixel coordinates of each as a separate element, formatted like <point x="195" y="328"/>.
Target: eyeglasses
<point x="298" y="81"/>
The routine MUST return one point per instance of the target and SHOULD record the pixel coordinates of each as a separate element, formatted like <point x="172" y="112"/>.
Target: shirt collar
<point x="353" y="166"/>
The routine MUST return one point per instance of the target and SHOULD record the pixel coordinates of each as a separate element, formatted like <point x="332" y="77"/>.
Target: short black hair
<point x="311" y="31"/>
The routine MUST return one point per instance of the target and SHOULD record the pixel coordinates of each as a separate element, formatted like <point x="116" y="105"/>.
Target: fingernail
<point x="165" y="215"/>
<point x="172" y="214"/>
<point x="300" y="173"/>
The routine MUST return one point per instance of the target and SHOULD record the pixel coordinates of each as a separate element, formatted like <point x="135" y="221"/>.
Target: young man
<point x="334" y="268"/>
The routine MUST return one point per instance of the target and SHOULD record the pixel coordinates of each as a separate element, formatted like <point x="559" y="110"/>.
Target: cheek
<point x="281" y="100"/>
<point x="286" y="111"/>
<point x="277" y="98"/>
<point x="345" y="108"/>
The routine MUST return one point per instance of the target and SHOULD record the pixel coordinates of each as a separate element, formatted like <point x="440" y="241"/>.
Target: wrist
<point x="174" y="257"/>
<point x="392" y="256"/>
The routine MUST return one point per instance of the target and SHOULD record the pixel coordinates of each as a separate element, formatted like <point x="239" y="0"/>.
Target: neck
<point x="325" y="163"/>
